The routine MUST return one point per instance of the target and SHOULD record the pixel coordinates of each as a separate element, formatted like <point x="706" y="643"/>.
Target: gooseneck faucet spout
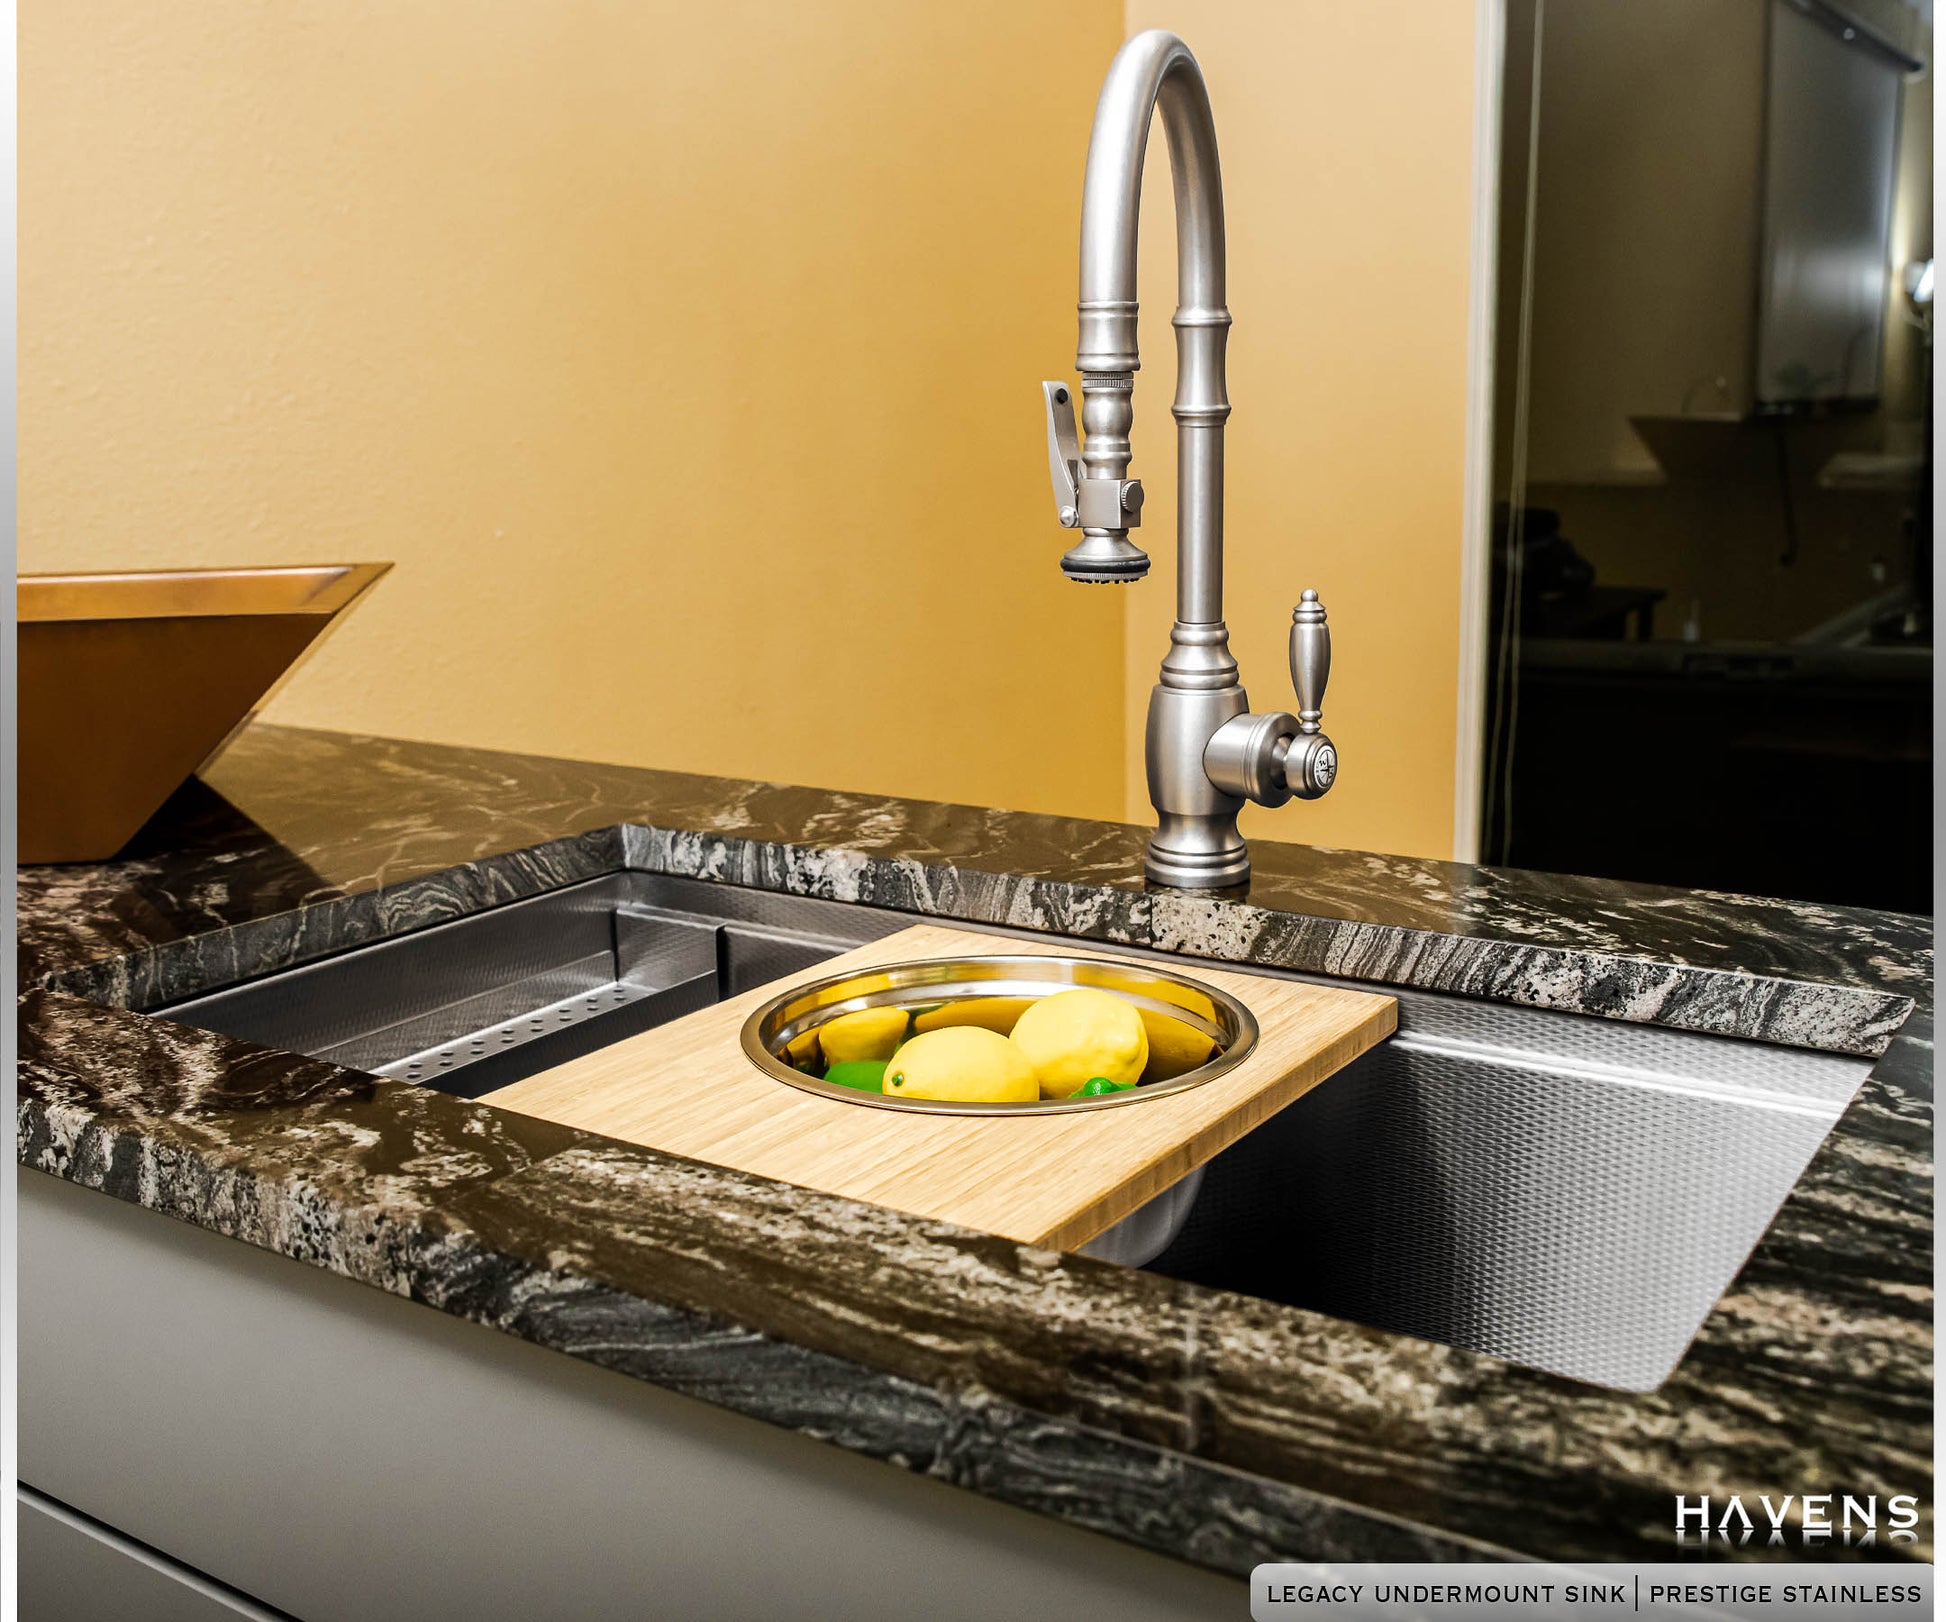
<point x="1206" y="753"/>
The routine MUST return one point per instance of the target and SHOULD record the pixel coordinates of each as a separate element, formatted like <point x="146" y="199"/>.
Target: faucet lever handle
<point x="1309" y="763"/>
<point x="1310" y="659"/>
<point x="1063" y="452"/>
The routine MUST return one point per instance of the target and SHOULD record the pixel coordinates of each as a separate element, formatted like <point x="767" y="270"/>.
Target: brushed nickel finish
<point x="1063" y="452"/>
<point x="791" y="1014"/>
<point x="1206" y="753"/>
<point x="1245" y="756"/>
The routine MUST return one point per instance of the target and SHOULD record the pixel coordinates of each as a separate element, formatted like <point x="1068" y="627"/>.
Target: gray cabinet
<point x="73" y="1569"/>
<point x="340" y="1453"/>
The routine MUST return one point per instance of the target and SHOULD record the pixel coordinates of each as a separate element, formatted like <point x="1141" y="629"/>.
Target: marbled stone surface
<point x="306" y="841"/>
<point x="1211" y="1426"/>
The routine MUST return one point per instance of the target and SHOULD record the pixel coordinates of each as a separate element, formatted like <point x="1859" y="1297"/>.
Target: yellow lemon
<point x="1074" y="1036"/>
<point x="865" y="1033"/>
<point x="1174" y="1047"/>
<point x="964" y="1062"/>
<point x="995" y="1013"/>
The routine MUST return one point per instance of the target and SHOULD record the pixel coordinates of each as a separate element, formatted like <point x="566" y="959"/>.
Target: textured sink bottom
<point x="1569" y="1193"/>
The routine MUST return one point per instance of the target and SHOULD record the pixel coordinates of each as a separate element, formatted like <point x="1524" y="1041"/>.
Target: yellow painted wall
<point x="1346" y="133"/>
<point x="684" y="357"/>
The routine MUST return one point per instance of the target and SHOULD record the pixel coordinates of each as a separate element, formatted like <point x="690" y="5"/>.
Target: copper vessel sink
<point x="129" y="682"/>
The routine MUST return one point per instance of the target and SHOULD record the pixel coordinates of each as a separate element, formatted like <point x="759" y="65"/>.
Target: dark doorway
<point x="1711" y="644"/>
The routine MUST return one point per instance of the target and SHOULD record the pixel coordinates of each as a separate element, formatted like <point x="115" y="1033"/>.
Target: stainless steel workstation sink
<point x="483" y="1001"/>
<point x="1569" y="1193"/>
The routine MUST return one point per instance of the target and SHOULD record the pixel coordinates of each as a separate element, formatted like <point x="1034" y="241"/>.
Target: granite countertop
<point x="1214" y="1427"/>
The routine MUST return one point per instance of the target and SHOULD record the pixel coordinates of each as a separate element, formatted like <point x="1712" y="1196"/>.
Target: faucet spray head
<point x="1106" y="558"/>
<point x="1100" y="508"/>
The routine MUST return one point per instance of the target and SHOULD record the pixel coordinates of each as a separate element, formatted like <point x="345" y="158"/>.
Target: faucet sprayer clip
<point x="1079" y="501"/>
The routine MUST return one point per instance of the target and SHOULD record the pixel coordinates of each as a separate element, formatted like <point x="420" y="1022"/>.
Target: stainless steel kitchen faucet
<point x="1207" y="753"/>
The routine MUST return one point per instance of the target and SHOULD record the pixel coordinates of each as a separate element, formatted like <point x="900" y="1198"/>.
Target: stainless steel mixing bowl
<point x="769" y="1031"/>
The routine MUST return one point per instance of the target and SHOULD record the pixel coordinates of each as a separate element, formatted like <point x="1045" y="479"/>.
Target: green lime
<point x="1099" y="1086"/>
<point x="867" y="1075"/>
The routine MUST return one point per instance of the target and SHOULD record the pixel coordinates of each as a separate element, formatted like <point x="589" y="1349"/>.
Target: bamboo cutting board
<point x="1057" y="1180"/>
